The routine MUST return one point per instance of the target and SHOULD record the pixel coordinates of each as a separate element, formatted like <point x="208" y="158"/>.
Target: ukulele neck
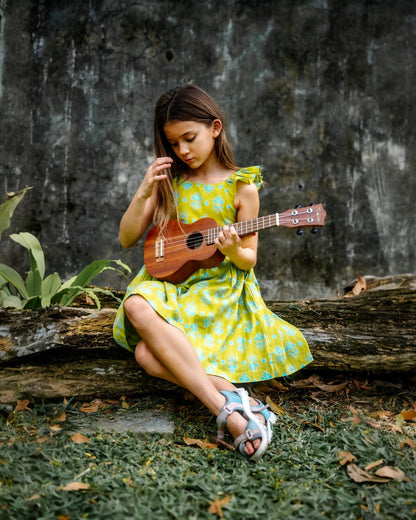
<point x="246" y="227"/>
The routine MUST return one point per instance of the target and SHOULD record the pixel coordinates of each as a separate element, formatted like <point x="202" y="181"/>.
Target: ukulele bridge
<point x="159" y="249"/>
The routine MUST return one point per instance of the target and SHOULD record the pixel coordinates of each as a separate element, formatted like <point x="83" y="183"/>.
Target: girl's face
<point x="193" y="142"/>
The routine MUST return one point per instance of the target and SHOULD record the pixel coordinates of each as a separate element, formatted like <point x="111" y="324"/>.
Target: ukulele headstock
<point x="309" y="216"/>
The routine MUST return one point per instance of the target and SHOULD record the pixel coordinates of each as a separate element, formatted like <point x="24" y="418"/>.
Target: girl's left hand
<point x="228" y="242"/>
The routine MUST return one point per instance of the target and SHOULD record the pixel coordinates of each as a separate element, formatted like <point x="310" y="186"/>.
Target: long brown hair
<point x="184" y="103"/>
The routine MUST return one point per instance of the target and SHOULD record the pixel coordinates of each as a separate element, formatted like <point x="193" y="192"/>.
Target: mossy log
<point x="70" y="352"/>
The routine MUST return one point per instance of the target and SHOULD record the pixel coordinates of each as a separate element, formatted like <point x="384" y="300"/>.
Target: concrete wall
<point x="321" y="93"/>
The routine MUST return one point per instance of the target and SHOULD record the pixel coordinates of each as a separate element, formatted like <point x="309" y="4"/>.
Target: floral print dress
<point x="220" y="309"/>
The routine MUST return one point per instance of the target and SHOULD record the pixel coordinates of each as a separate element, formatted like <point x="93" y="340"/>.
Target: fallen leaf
<point x="129" y="481"/>
<point x="382" y="414"/>
<point x="197" y="442"/>
<point x="396" y="428"/>
<point x="88" y="300"/>
<point x="217" y="505"/>
<point x="409" y="415"/>
<point x="22" y="405"/>
<point x="60" y="418"/>
<point x="73" y="486"/>
<point x="55" y="428"/>
<point x="331" y="388"/>
<point x="64" y="517"/>
<point x="78" y="438"/>
<point x="344" y="457"/>
<point x="374" y="464"/>
<point x="42" y="439"/>
<point x="359" y="475"/>
<point x="315" y="425"/>
<point x="274" y="407"/>
<point x="91" y="407"/>
<point x="392" y="473"/>
<point x="33" y="497"/>
<point x="408" y="442"/>
<point x="361" y="285"/>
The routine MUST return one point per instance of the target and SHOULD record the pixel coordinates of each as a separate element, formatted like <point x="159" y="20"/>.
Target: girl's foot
<point x="250" y="434"/>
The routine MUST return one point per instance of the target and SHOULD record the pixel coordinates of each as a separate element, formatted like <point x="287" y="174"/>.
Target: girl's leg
<point x="154" y="367"/>
<point x="174" y="352"/>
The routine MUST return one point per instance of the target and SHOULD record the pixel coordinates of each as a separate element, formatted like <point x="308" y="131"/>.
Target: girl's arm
<point x="241" y="251"/>
<point x="139" y="214"/>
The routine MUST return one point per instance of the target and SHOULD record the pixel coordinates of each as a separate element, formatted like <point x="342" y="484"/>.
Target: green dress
<point x="220" y="309"/>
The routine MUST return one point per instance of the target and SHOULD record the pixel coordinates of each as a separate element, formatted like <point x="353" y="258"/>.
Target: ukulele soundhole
<point x="194" y="240"/>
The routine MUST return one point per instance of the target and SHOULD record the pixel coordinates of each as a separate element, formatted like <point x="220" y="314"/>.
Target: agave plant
<point x="36" y="291"/>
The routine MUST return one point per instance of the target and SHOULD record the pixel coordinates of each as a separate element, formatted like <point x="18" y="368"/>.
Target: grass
<point x="130" y="476"/>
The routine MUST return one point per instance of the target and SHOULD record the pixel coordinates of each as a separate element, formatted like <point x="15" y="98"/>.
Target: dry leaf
<point x="396" y="428"/>
<point x="33" y="497"/>
<point x="217" y="505"/>
<point x="344" y="457"/>
<point x="274" y="407"/>
<point x="74" y="486"/>
<point x="55" y="428"/>
<point x="361" y="285"/>
<point x="63" y="517"/>
<point x="408" y="442"/>
<point x="79" y="439"/>
<point x="197" y="442"/>
<point x="331" y="388"/>
<point x="382" y="414"/>
<point x="409" y="415"/>
<point x="88" y="300"/>
<point x="392" y="473"/>
<point x="91" y="407"/>
<point x="359" y="475"/>
<point x="22" y="405"/>
<point x="60" y="418"/>
<point x="42" y="439"/>
<point x="374" y="464"/>
<point x="129" y="481"/>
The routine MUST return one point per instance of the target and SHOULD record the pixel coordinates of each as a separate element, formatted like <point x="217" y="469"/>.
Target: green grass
<point x="148" y="477"/>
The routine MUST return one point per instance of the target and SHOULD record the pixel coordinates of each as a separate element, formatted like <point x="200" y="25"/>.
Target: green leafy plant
<point x="36" y="291"/>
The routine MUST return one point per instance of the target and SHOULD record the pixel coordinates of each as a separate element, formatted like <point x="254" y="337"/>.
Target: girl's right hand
<point x="154" y="175"/>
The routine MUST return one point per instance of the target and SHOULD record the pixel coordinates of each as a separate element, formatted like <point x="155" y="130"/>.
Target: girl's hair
<point x="184" y="103"/>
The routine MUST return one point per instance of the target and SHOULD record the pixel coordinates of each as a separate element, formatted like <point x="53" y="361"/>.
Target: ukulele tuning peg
<point x="298" y="206"/>
<point x="299" y="232"/>
<point x="314" y="230"/>
<point x="312" y="204"/>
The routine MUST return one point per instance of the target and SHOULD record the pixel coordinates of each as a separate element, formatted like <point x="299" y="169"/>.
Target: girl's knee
<point x="141" y="354"/>
<point x="146" y="360"/>
<point x="144" y="357"/>
<point x="133" y="304"/>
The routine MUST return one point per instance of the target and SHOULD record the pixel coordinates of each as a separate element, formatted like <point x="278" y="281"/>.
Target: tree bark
<point x="70" y="352"/>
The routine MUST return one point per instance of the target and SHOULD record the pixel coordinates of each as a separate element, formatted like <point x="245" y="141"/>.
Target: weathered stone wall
<point x="321" y="93"/>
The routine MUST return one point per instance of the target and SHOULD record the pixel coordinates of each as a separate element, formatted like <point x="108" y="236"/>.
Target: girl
<point x="213" y="329"/>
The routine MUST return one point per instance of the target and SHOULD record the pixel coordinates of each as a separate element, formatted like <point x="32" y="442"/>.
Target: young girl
<point x="213" y="329"/>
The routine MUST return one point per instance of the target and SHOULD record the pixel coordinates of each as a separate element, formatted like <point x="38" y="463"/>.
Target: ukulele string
<point x="177" y="242"/>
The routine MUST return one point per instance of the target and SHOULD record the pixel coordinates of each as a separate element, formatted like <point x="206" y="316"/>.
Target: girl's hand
<point x="228" y="242"/>
<point x="241" y="252"/>
<point x="154" y="175"/>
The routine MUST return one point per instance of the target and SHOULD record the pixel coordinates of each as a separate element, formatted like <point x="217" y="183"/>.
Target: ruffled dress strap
<point x="249" y="175"/>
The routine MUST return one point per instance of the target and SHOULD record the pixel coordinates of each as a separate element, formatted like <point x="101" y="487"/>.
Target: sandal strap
<point x="248" y="435"/>
<point x="233" y="404"/>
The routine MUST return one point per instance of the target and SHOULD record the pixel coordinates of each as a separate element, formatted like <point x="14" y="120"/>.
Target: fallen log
<point x="70" y="352"/>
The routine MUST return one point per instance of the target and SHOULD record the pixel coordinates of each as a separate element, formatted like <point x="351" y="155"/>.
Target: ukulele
<point x="184" y="248"/>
